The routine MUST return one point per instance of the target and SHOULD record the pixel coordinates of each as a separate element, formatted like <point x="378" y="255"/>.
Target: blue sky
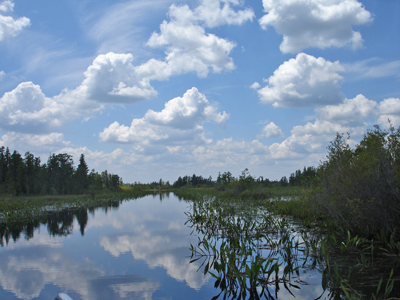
<point x="160" y="88"/>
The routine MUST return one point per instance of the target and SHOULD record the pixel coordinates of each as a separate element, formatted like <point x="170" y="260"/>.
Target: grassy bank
<point x="14" y="208"/>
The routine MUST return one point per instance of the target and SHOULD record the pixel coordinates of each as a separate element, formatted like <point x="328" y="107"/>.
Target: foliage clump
<point x="358" y="188"/>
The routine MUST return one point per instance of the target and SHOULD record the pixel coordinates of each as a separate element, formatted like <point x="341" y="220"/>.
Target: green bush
<point x="359" y="187"/>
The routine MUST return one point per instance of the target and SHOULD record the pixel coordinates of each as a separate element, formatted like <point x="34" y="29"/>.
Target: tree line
<point x="226" y="180"/>
<point x="27" y="175"/>
<point x="192" y="181"/>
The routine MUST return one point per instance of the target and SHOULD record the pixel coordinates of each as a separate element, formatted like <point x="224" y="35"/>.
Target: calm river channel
<point x="138" y="250"/>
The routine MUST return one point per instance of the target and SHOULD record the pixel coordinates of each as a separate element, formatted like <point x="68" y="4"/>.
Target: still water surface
<point x="139" y="250"/>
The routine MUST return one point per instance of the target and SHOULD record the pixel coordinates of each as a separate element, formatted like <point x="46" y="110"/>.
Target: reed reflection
<point x="251" y="254"/>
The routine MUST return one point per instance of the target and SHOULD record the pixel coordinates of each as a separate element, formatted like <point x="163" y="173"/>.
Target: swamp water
<point x="158" y="247"/>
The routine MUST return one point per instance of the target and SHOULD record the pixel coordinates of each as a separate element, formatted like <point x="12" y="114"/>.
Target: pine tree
<point x="81" y="175"/>
<point x="3" y="168"/>
<point x="16" y="174"/>
<point x="60" y="169"/>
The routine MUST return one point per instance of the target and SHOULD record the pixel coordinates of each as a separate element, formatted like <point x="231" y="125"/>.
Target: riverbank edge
<point x="15" y="208"/>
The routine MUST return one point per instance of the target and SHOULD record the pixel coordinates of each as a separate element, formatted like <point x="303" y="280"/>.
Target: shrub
<point x="359" y="188"/>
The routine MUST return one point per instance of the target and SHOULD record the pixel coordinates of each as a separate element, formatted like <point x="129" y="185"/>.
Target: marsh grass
<point x="250" y="253"/>
<point x="255" y="193"/>
<point x="13" y="208"/>
<point x="359" y="267"/>
<point x="246" y="240"/>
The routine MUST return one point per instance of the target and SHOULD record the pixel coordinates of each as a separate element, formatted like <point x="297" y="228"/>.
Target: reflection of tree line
<point x="58" y="223"/>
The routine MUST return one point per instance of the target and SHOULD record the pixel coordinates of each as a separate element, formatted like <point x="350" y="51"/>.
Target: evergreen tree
<point x="95" y="180"/>
<point x="105" y="179"/>
<point x="60" y="169"/>
<point x="32" y="174"/>
<point x="179" y="183"/>
<point x="16" y="174"/>
<point x="4" y="163"/>
<point x="284" y="181"/>
<point x="3" y="168"/>
<point x="81" y="175"/>
<point x="114" y="181"/>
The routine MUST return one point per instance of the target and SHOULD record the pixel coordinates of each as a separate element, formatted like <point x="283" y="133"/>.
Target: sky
<point x="157" y="89"/>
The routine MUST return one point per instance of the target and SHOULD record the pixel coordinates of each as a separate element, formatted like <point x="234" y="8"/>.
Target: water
<point x="137" y="250"/>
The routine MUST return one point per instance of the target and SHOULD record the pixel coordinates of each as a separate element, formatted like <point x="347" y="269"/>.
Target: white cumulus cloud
<point x="390" y="106"/>
<point x="10" y="27"/>
<point x="229" y="153"/>
<point x="351" y="112"/>
<point x="26" y="109"/>
<point x="308" y="139"/>
<point x="360" y="112"/>
<point x="180" y="121"/>
<point x="38" y="143"/>
<point x="315" y="23"/>
<point x="211" y="13"/>
<point x="302" y="82"/>
<point x="271" y="130"/>
<point x="389" y="109"/>
<point x="6" y="5"/>
<point x="352" y="116"/>
<point x="188" y="46"/>
<point x="112" y="78"/>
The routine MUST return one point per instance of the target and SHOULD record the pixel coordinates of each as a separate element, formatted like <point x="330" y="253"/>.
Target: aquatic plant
<point x="252" y="253"/>
<point x="248" y="251"/>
